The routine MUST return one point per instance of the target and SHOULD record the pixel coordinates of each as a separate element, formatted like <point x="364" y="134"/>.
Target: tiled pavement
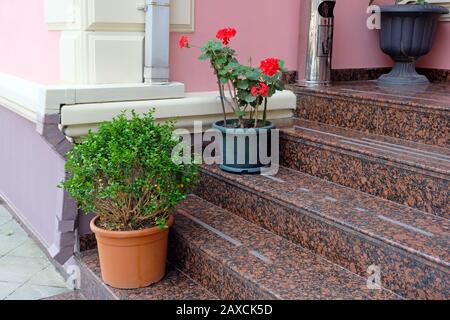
<point x="25" y="271"/>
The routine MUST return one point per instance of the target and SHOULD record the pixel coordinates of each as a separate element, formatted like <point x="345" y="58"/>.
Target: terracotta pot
<point x="132" y="259"/>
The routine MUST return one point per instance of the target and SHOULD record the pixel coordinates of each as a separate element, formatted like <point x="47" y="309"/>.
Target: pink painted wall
<point x="266" y="28"/>
<point x="27" y="49"/>
<point x="439" y="55"/>
<point x="355" y="46"/>
<point x="274" y="32"/>
<point x="358" y="47"/>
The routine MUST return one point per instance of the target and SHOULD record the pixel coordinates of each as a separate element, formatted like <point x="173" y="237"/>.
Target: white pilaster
<point x="102" y="41"/>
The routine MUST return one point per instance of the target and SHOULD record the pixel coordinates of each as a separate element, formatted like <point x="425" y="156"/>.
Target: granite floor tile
<point x="5" y="216"/>
<point x="11" y="236"/>
<point x="6" y="288"/>
<point x="35" y="292"/>
<point x="3" y="211"/>
<point x="25" y="271"/>
<point x="48" y="277"/>
<point x="12" y="228"/>
<point x="20" y="269"/>
<point x="28" y="249"/>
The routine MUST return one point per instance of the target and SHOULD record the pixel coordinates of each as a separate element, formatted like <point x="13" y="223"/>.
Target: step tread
<point x="272" y="263"/>
<point x="408" y="229"/>
<point x="426" y="157"/>
<point x="433" y="97"/>
<point x="174" y="286"/>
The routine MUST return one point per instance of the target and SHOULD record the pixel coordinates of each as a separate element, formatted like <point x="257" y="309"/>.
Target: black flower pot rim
<point x="414" y="8"/>
<point x="246" y="167"/>
<point x="219" y="125"/>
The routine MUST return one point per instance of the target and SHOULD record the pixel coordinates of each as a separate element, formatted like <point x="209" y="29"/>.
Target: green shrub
<point x="125" y="174"/>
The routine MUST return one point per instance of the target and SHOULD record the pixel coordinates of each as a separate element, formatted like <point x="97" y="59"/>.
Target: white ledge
<point x="19" y="95"/>
<point x="77" y="120"/>
<point x="32" y="100"/>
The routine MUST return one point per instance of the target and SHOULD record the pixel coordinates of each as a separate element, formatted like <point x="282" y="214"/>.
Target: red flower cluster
<point x="263" y="90"/>
<point x="270" y="66"/>
<point x="226" y="34"/>
<point x="184" y="42"/>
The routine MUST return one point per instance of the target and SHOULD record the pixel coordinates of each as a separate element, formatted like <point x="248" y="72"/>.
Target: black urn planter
<point x="407" y="33"/>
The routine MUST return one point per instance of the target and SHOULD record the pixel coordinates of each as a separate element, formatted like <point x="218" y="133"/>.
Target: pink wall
<point x="27" y="49"/>
<point x="358" y="47"/>
<point x="355" y="46"/>
<point x="439" y="55"/>
<point x="274" y="32"/>
<point x="265" y="28"/>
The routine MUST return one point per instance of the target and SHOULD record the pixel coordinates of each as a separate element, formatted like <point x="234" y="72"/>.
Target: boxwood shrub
<point x="124" y="173"/>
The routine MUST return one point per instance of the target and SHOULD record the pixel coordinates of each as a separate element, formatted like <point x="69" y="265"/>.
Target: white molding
<point x="20" y="96"/>
<point x="32" y="100"/>
<point x="77" y="119"/>
<point x="183" y="20"/>
<point x="115" y="57"/>
<point x="73" y="52"/>
<point x="63" y="14"/>
<point x="112" y="15"/>
<point x="101" y="57"/>
<point x="51" y="98"/>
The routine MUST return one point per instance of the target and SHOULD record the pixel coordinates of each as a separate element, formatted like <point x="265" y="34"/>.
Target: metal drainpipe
<point x="157" y="32"/>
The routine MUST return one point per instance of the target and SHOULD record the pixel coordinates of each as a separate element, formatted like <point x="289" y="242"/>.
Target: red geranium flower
<point x="226" y="34"/>
<point x="184" y="42"/>
<point x="270" y="66"/>
<point x="263" y="89"/>
<point x="254" y="91"/>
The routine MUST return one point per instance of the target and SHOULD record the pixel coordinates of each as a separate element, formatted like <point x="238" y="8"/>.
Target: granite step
<point x="413" y="174"/>
<point x="416" y="113"/>
<point x="348" y="227"/>
<point x="235" y="259"/>
<point x="175" y="285"/>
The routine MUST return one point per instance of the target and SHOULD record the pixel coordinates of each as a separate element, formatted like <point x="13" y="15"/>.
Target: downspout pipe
<point x="157" y="34"/>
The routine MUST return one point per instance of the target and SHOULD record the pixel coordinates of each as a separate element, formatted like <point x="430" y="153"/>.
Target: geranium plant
<point x="244" y="88"/>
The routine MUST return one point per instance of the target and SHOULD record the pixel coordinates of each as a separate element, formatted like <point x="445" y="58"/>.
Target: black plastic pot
<point x="407" y="33"/>
<point x="242" y="148"/>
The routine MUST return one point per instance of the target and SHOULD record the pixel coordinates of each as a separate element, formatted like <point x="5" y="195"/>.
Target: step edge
<point x="108" y="290"/>
<point x="84" y="267"/>
<point x="391" y="103"/>
<point x="414" y="254"/>
<point x="225" y="265"/>
<point x="407" y="165"/>
<point x="248" y="279"/>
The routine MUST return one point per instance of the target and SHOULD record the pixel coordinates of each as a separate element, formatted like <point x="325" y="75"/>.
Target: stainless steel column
<point x="316" y="42"/>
